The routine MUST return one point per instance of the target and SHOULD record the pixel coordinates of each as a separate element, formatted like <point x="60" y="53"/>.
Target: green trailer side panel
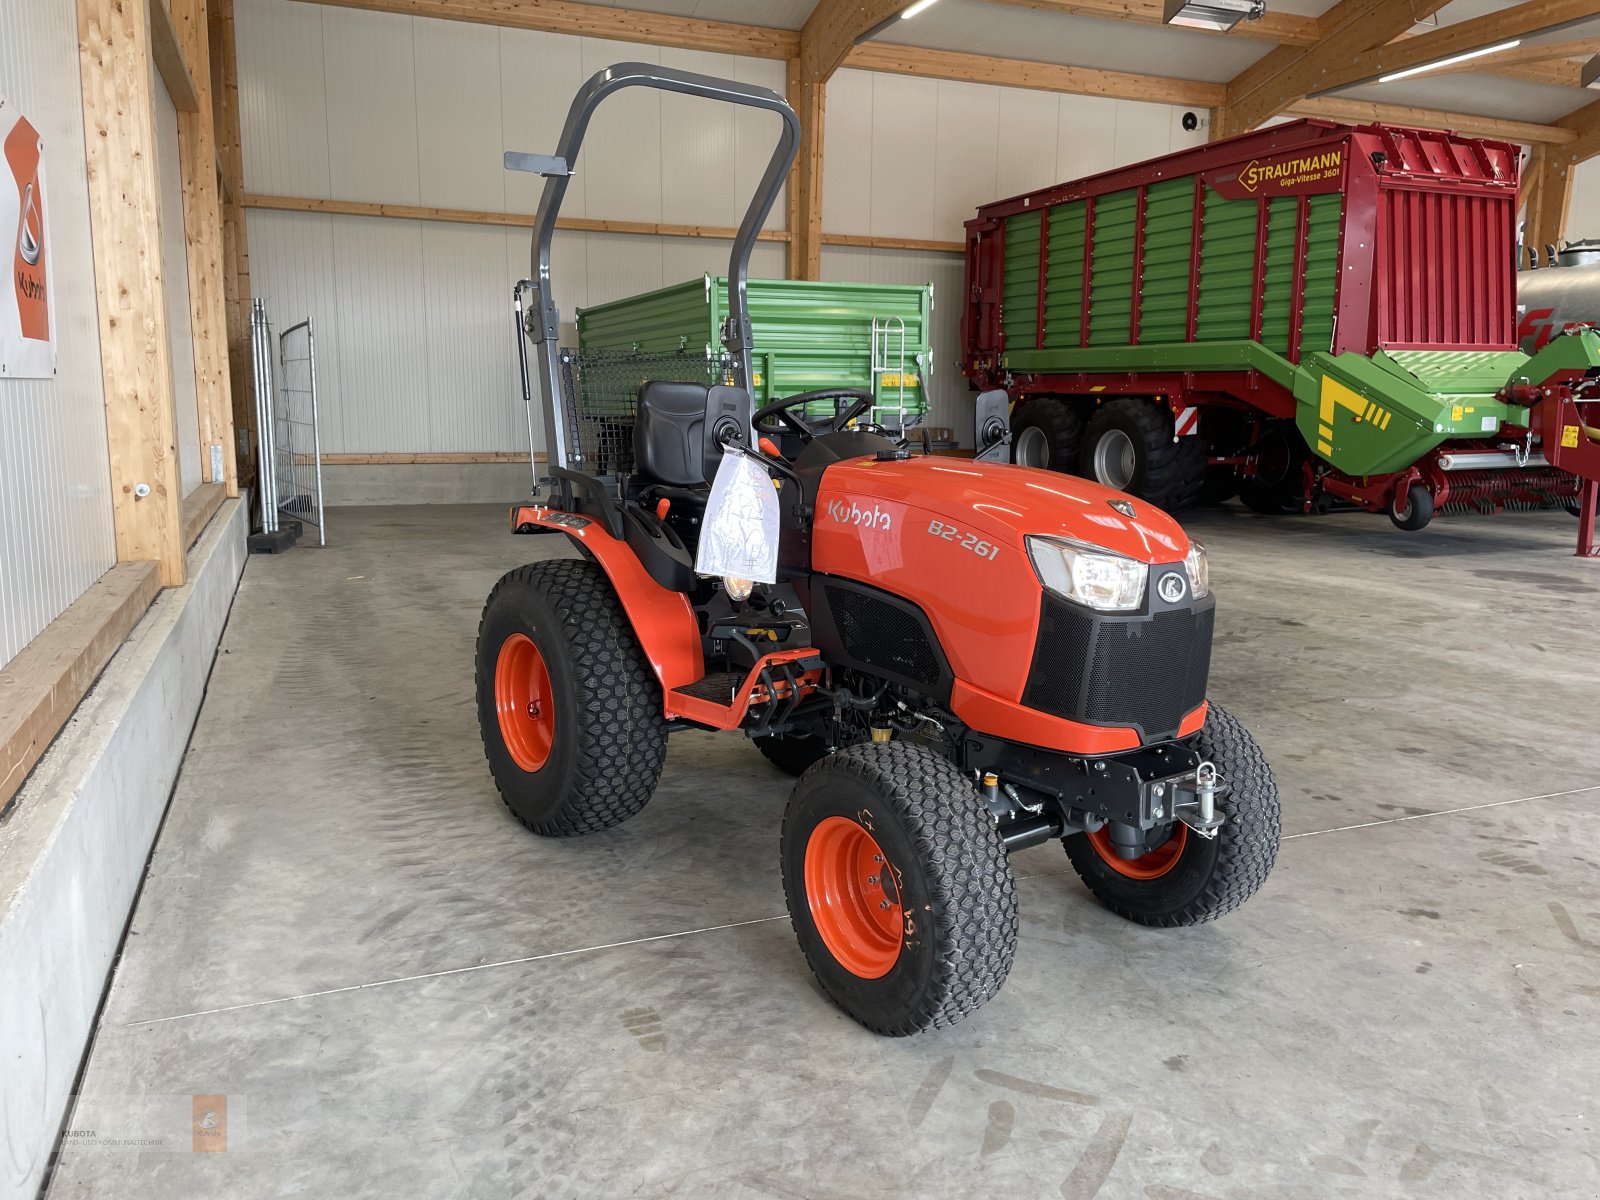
<point x="807" y="334"/>
<point x="1019" y="300"/>
<point x="1278" y="277"/>
<point x="1063" y="292"/>
<point x="1322" y="272"/>
<point x="1164" y="273"/>
<point x="1111" y="281"/>
<point x="1227" y="268"/>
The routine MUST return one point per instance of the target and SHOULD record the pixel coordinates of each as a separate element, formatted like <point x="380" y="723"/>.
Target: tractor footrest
<point x="719" y="688"/>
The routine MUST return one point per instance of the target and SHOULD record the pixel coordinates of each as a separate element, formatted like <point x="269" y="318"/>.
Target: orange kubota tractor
<point x="957" y="658"/>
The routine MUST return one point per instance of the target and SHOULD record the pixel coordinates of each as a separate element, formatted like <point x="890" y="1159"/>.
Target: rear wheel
<point x="1128" y="445"/>
<point x="899" y="888"/>
<point x="1045" y="433"/>
<point x="1183" y="878"/>
<point x="569" y="708"/>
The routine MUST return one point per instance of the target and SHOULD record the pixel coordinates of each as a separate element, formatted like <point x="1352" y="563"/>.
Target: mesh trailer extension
<point x="1308" y="315"/>
<point x="289" y="442"/>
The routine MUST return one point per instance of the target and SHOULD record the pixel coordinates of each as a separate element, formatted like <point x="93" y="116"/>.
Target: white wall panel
<point x="283" y="102"/>
<point x="847" y="153"/>
<point x="370" y="61"/>
<point x="1583" y="217"/>
<point x="1026" y="143"/>
<point x="539" y="74"/>
<point x="1085" y="136"/>
<point x="459" y="132"/>
<point x="622" y="150"/>
<point x="699" y="146"/>
<point x="175" y="275"/>
<point x="905" y="139"/>
<point x="55" y="490"/>
<point x="966" y="163"/>
<point x="383" y="398"/>
<point x="471" y="401"/>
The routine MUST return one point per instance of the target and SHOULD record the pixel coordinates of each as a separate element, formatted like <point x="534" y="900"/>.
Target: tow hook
<point x="1200" y="814"/>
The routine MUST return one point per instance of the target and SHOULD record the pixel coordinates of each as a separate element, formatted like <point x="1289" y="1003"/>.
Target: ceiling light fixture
<point x="919" y="6"/>
<point x="1219" y="16"/>
<point x="1451" y="61"/>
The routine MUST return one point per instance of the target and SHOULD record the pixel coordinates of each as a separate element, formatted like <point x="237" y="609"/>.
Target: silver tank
<point x="1549" y="298"/>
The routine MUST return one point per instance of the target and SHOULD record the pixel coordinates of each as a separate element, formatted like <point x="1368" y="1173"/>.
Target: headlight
<point x="1104" y="581"/>
<point x="1198" y="570"/>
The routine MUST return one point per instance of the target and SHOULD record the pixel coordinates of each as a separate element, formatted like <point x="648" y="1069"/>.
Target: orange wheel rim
<point x="853" y="893"/>
<point x="523" y="698"/>
<point x="1151" y="865"/>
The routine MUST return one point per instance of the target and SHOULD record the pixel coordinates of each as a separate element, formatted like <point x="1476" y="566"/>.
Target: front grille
<point x="1145" y="671"/>
<point x="882" y="634"/>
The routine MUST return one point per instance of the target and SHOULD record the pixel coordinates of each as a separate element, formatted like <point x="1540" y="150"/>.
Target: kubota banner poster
<point x="27" y="305"/>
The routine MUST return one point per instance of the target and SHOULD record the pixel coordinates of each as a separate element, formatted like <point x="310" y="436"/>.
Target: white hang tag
<point x="739" y="535"/>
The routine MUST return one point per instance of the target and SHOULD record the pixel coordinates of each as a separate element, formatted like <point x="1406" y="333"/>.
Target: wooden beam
<point x="41" y="686"/>
<point x="809" y="99"/>
<point x="202" y="228"/>
<point x="1384" y="57"/>
<point x="1290" y="73"/>
<point x="1547" y="185"/>
<point x="1360" y="112"/>
<point x="1585" y="126"/>
<point x="597" y="21"/>
<point x="932" y="245"/>
<point x="473" y="216"/>
<point x="427" y="458"/>
<point x="1284" y="29"/>
<point x="171" y="61"/>
<point x="125" y="218"/>
<point x="199" y="506"/>
<point x="235" y="243"/>
<point x="1023" y="73"/>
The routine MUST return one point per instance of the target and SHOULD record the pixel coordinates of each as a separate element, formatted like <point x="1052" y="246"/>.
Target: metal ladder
<point x="884" y="333"/>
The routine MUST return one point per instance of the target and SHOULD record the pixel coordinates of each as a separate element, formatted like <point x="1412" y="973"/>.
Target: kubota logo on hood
<point x="854" y="514"/>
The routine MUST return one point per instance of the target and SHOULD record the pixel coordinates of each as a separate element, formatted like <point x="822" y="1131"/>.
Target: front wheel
<point x="899" y="888"/>
<point x="1045" y="432"/>
<point x="1183" y="878"/>
<point x="568" y="705"/>
<point x="1413" y="509"/>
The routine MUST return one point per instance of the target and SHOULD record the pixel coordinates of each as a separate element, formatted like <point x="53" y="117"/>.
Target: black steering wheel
<point x="776" y="418"/>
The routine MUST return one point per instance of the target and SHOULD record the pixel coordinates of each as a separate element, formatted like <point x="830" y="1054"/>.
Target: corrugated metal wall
<point x="412" y="318"/>
<point x="55" y="491"/>
<point x="175" y="275"/>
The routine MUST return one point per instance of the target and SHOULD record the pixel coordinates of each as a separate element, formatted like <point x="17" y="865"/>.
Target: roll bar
<point x="545" y="318"/>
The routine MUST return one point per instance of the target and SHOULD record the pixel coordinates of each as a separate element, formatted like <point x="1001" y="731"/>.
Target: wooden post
<point x="1548" y="186"/>
<point x="125" y="215"/>
<point x="236" y="252"/>
<point x="202" y="224"/>
<point x="808" y="98"/>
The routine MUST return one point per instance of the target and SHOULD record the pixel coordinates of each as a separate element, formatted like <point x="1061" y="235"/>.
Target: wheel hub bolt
<point x="533" y="709"/>
<point x="884" y="904"/>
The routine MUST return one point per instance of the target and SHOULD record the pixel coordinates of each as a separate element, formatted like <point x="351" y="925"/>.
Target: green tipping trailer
<point x="805" y="335"/>
<point x="1306" y="315"/>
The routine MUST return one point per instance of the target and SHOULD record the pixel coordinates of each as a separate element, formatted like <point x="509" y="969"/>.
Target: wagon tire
<point x="1045" y="432"/>
<point x="1183" y="878"/>
<point x="568" y="705"/>
<point x="898" y="886"/>
<point x="1128" y="445"/>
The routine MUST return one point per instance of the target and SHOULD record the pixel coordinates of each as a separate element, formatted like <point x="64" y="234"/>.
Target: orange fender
<point x="662" y="620"/>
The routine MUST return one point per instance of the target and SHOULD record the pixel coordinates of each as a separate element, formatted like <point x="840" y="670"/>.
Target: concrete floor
<point x="402" y="993"/>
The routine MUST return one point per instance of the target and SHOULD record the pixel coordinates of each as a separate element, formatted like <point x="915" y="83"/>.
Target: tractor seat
<point x="669" y="442"/>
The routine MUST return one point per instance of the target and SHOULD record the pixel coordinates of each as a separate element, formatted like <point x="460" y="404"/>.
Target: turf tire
<point x="955" y="884"/>
<point x="610" y="735"/>
<point x="1211" y="877"/>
